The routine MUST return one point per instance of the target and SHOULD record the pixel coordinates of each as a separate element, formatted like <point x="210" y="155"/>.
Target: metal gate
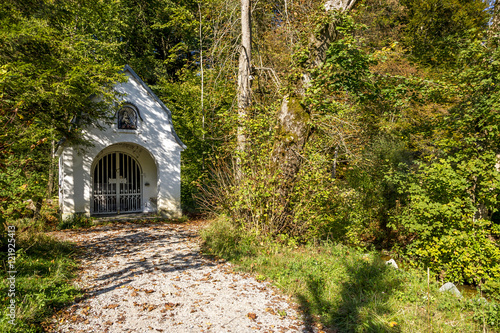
<point x="117" y="185"/>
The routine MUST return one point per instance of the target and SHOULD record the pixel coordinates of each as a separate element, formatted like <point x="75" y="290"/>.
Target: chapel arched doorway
<point x="116" y="185"/>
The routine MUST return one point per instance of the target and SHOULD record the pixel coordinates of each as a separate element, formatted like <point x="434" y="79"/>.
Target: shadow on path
<point x="159" y="240"/>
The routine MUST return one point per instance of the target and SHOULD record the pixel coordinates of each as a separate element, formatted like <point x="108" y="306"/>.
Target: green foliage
<point x="472" y="123"/>
<point x="435" y="29"/>
<point x="383" y="22"/>
<point x="492" y="288"/>
<point x="249" y="200"/>
<point x="224" y="240"/>
<point x="449" y="200"/>
<point x="343" y="79"/>
<point x="414" y="151"/>
<point x="197" y="128"/>
<point x="372" y="195"/>
<point x="253" y="201"/>
<point x="48" y="74"/>
<point x="45" y="268"/>
<point x="47" y="77"/>
<point x="155" y="37"/>
<point x="442" y="226"/>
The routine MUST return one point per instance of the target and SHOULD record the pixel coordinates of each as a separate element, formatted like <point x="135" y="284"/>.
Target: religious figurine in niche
<point x="127" y="119"/>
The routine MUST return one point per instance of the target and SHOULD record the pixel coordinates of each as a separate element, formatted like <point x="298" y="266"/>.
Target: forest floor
<point x="153" y="278"/>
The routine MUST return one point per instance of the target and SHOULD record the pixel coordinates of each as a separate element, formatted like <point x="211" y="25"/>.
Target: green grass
<point x="76" y="222"/>
<point x="348" y="291"/>
<point x="45" y="267"/>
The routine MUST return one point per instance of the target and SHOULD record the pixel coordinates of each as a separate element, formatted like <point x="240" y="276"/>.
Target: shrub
<point x="253" y="201"/>
<point x="444" y="222"/>
<point x="223" y="239"/>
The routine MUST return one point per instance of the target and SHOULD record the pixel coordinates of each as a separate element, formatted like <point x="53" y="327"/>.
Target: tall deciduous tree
<point x="48" y="72"/>
<point x="244" y="72"/>
<point x="494" y="28"/>
<point x="294" y="117"/>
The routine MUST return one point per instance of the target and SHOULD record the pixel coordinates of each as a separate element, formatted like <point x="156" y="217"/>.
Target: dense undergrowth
<point x="347" y="290"/>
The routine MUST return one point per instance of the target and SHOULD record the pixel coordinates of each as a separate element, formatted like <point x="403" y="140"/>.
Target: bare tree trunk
<point x="494" y="29"/>
<point x="202" y="87"/>
<point x="342" y="5"/>
<point x="202" y="79"/>
<point x="334" y="168"/>
<point x="50" y="186"/>
<point x="244" y="77"/>
<point x="293" y="132"/>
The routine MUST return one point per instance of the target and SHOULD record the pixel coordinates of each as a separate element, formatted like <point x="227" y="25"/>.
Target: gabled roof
<point x="129" y="69"/>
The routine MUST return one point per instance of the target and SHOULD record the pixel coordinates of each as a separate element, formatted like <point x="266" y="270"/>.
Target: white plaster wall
<point x="153" y="144"/>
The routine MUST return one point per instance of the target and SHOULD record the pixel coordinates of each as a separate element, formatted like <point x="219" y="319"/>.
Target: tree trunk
<point x="244" y="75"/>
<point x="50" y="185"/>
<point x="493" y="30"/>
<point x="342" y="5"/>
<point x="294" y="128"/>
<point x="334" y="168"/>
<point x="293" y="134"/>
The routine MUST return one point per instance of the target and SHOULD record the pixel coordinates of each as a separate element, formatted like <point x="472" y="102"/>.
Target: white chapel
<point x="134" y="164"/>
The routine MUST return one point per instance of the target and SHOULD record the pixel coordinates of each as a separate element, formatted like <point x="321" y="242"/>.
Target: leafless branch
<point x="276" y="80"/>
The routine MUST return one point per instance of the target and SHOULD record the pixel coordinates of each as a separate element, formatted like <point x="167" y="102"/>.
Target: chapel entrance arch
<point x="117" y="184"/>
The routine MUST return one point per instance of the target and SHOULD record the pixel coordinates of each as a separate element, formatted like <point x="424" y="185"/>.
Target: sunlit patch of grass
<point x="76" y="221"/>
<point x="350" y="291"/>
<point x="45" y="267"/>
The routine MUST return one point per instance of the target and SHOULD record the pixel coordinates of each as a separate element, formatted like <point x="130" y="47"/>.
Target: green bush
<point x="371" y="195"/>
<point x="444" y="222"/>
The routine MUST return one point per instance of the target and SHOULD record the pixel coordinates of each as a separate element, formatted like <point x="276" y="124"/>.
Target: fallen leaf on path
<point x="252" y="315"/>
<point x="271" y="311"/>
<point x="170" y="306"/>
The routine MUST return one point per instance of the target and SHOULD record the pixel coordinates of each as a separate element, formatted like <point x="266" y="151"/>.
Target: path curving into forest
<point x="152" y="278"/>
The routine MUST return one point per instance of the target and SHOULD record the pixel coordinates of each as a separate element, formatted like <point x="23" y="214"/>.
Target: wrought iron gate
<point x="117" y="185"/>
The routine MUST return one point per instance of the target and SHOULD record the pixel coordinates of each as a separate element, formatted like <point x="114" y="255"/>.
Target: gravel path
<point x="152" y="278"/>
